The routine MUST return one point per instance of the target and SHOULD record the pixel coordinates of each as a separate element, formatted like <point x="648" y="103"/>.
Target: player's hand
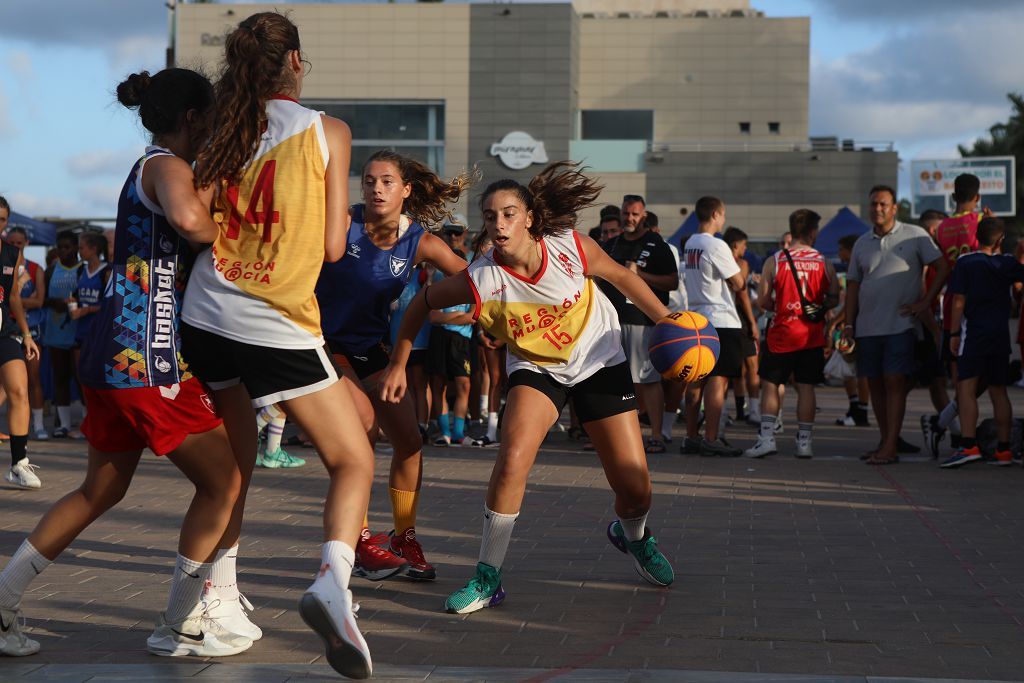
<point x="986" y="212"/>
<point x="77" y="313"/>
<point x="31" y="350"/>
<point x="392" y="383"/>
<point x="954" y="345"/>
<point x="914" y="308"/>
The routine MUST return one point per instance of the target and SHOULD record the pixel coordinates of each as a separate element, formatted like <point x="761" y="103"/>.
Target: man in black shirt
<point x="647" y="255"/>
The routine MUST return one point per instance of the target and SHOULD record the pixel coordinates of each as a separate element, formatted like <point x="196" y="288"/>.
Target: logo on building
<point x="517" y="150"/>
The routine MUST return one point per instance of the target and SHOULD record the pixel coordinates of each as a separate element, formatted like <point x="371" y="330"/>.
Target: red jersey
<point x="790" y="330"/>
<point x="956" y="235"/>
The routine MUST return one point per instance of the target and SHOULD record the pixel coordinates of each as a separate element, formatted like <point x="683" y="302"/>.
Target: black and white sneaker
<point x="195" y="636"/>
<point x="719" y="447"/>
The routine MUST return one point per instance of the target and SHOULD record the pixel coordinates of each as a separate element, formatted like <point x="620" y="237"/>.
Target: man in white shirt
<point x="712" y="275"/>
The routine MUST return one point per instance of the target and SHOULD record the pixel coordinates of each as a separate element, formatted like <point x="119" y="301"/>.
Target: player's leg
<point x="14" y="379"/>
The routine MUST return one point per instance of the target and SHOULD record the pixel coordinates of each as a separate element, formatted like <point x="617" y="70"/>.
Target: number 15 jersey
<point x="557" y="323"/>
<point x="256" y="283"/>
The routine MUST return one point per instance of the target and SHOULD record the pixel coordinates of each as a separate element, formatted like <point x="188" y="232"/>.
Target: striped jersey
<point x="133" y="340"/>
<point x="557" y="322"/>
<point x="256" y="283"/>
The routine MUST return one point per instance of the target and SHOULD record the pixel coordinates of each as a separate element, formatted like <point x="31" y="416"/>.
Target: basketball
<point x="684" y="345"/>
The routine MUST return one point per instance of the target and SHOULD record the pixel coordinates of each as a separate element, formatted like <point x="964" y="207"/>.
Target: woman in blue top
<point x="93" y="276"/>
<point x="59" y="332"/>
<point x="386" y="241"/>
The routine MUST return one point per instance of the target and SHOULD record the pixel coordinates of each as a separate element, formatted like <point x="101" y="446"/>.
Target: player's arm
<point x="339" y="145"/>
<point x="170" y="181"/>
<point x="435" y="250"/>
<point x="941" y="268"/>
<point x="451" y="318"/>
<point x="448" y="292"/>
<point x="599" y="264"/>
<point x="956" y="317"/>
<point x="765" y="288"/>
<point x="832" y="293"/>
<point x="18" y="311"/>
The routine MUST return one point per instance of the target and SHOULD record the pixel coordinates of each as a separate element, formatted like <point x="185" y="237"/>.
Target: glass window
<point x="411" y="128"/>
<point x="617" y="124"/>
<point x="773" y="127"/>
<point x="745" y="127"/>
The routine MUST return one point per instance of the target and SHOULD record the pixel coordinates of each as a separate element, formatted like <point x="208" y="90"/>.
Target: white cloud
<point x="88" y="165"/>
<point x="35" y="205"/>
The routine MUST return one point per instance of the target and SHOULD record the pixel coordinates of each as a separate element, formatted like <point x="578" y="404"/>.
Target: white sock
<point x="64" y="416"/>
<point x="483" y="404"/>
<point x="754" y="407"/>
<point x="496" y="537"/>
<point x="634" y="528"/>
<point x="803" y="430"/>
<point x="223" y="578"/>
<point x="340" y="557"/>
<point x="948" y="414"/>
<point x="186" y="588"/>
<point x="275" y="430"/>
<point x="37" y="419"/>
<point x="767" y="426"/>
<point x="667" y="420"/>
<point x="25" y="566"/>
<point x="492" y="426"/>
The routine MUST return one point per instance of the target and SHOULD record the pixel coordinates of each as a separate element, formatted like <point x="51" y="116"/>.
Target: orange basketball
<point x="684" y="345"/>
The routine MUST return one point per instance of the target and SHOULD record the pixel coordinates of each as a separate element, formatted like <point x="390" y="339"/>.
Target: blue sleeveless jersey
<point x="60" y="328"/>
<point x="33" y="316"/>
<point x="134" y="339"/>
<point x="355" y="293"/>
<point x="90" y="293"/>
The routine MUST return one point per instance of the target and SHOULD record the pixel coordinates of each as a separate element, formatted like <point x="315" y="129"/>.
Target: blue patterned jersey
<point x="134" y="340"/>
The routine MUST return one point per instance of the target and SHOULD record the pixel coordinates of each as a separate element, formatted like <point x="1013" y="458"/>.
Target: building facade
<point x="670" y="99"/>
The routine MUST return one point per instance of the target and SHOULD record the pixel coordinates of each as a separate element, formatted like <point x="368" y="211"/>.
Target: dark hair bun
<point x="131" y="90"/>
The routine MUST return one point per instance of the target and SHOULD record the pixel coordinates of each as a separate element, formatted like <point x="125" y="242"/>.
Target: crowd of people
<point x="242" y="290"/>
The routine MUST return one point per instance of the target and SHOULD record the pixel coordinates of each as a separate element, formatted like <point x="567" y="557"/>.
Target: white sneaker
<point x="196" y="636"/>
<point x="233" y="615"/>
<point x="328" y="610"/>
<point x="42" y="435"/>
<point x="466" y="441"/>
<point x="23" y="476"/>
<point x="803" y="448"/>
<point x="765" y="446"/>
<point x="13" y="642"/>
<point x="778" y="426"/>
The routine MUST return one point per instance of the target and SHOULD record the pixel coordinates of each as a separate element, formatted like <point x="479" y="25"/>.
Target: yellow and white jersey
<point x="255" y="284"/>
<point x="557" y="323"/>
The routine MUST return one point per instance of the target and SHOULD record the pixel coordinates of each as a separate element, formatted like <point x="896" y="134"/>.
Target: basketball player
<point x="32" y="279"/>
<point x="535" y="292"/>
<point x="251" y="324"/>
<point x="150" y="400"/>
<point x="386" y="241"/>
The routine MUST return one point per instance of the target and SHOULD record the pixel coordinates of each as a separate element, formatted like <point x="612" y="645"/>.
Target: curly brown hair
<point x="427" y="201"/>
<point x="255" y="61"/>
<point x="555" y="196"/>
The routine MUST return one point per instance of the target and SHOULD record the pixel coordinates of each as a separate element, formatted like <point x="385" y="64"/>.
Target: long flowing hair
<point x="255" y="60"/>
<point x="555" y="196"/>
<point x="430" y="196"/>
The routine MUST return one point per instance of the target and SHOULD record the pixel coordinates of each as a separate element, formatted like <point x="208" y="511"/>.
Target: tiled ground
<point x="826" y="568"/>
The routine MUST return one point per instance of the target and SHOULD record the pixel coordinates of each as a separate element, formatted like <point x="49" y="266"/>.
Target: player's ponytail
<point x="255" y="60"/>
<point x="427" y="202"/>
<point x="554" y="196"/>
<point x="163" y="100"/>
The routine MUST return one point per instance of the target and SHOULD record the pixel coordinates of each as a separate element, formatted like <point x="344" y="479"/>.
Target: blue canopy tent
<point x="39" y="232"/>
<point x="843" y="223"/>
<point x="688" y="228"/>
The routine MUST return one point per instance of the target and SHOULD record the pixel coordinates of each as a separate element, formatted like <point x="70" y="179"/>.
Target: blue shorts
<point x="887" y="354"/>
<point x="991" y="368"/>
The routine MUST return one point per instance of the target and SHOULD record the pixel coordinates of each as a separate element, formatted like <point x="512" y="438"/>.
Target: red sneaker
<point x="405" y="545"/>
<point x="1002" y="459"/>
<point x="375" y="562"/>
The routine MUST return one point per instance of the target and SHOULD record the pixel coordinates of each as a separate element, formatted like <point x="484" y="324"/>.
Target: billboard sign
<point x="932" y="183"/>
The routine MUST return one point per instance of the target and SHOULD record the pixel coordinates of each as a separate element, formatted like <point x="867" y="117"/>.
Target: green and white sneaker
<point x="483" y="590"/>
<point x="279" y="458"/>
<point x="650" y="564"/>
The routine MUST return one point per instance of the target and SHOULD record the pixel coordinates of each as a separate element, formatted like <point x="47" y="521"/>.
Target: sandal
<point x="654" y="445"/>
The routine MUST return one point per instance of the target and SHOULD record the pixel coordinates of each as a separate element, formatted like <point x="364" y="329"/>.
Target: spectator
<point x="749" y="383"/>
<point x="883" y="293"/>
<point x="611" y="224"/>
<point x="59" y="331"/>
<point x="712" y="275"/>
<point x="800" y="286"/>
<point x="32" y="280"/>
<point x="980" y="340"/>
<point x="856" y="387"/>
<point x="646" y="254"/>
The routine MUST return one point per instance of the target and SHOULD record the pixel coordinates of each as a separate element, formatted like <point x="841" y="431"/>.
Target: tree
<point x="1005" y="139"/>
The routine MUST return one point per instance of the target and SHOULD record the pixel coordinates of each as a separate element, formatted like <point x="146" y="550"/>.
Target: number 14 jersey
<point x="256" y="283"/>
<point x="558" y="322"/>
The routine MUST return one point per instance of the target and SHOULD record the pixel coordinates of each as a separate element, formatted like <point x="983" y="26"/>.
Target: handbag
<point x="813" y="312"/>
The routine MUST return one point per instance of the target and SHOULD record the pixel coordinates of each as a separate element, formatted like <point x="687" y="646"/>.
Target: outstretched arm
<point x="435" y="250"/>
<point x="599" y="264"/>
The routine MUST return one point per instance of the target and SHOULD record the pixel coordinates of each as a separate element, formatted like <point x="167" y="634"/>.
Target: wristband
<point x="955" y="334"/>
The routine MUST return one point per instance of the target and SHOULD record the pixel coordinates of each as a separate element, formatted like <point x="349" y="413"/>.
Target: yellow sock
<point x="366" y="519"/>
<point x="403" y="506"/>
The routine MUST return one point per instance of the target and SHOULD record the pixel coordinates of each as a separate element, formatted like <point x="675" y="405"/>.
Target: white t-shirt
<point x="677" y="297"/>
<point x="706" y="265"/>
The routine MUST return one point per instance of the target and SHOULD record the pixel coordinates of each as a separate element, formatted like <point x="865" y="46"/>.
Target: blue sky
<point x="927" y="74"/>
